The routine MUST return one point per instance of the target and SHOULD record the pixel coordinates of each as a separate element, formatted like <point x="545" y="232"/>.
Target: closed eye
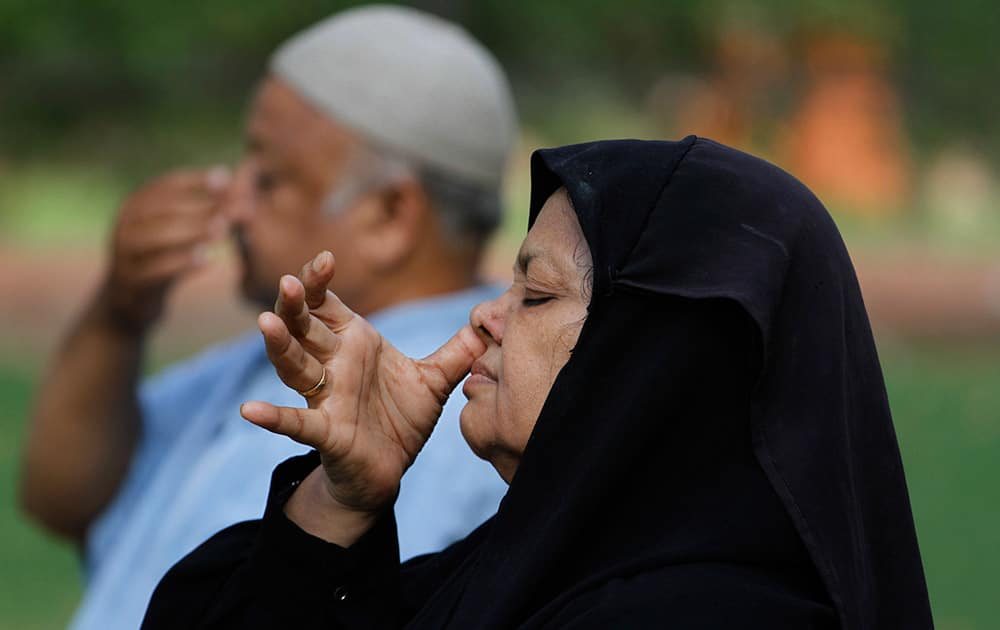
<point x="535" y="301"/>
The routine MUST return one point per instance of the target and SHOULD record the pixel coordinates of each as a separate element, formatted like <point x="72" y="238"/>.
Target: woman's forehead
<point x="555" y="223"/>
<point x="555" y="238"/>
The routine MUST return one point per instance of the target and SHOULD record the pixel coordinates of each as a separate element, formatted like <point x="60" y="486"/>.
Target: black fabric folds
<point x="755" y="440"/>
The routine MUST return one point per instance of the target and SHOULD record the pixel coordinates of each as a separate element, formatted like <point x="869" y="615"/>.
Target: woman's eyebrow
<point x="540" y="257"/>
<point x="524" y="259"/>
<point x="544" y="272"/>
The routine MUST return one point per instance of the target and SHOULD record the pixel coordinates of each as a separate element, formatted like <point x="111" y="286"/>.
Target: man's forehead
<point x="282" y="123"/>
<point x="278" y="110"/>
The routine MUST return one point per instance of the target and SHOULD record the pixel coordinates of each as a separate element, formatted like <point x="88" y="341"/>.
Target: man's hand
<point x="373" y="415"/>
<point x="160" y="235"/>
<point x="87" y="420"/>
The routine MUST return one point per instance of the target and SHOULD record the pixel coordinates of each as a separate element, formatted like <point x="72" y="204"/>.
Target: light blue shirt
<point x="200" y="467"/>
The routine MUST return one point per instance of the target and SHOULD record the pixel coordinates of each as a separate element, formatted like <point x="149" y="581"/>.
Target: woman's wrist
<point x="316" y="512"/>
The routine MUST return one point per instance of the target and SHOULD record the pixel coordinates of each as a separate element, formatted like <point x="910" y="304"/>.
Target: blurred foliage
<point x="74" y="73"/>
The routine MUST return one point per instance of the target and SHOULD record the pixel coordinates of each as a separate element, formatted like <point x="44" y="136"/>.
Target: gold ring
<point x="315" y="389"/>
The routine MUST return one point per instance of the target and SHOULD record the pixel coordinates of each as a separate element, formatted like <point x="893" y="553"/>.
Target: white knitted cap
<point x="410" y="82"/>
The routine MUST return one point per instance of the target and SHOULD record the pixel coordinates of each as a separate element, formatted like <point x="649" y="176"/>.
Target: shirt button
<point x="340" y="594"/>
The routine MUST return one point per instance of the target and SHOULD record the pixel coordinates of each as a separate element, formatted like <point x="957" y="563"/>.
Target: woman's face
<point x="529" y="332"/>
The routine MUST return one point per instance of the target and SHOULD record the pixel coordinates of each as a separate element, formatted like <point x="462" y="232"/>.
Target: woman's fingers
<point x="314" y="279"/>
<point x="295" y="367"/>
<point x="312" y="333"/>
<point x="291" y="306"/>
<point x="452" y="361"/>
<point x="316" y="276"/>
<point x="306" y="426"/>
<point x="333" y="313"/>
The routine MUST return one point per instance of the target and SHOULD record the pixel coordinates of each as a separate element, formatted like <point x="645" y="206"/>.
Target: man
<point x="380" y="134"/>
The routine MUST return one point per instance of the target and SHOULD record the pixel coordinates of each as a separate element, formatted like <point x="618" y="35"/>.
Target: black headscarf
<point x="721" y="430"/>
<point x="717" y="452"/>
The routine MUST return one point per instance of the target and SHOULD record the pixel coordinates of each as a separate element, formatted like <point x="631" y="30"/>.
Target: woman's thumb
<point x="451" y="362"/>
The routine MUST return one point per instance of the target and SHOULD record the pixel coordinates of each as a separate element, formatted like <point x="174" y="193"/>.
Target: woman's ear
<point x="391" y="224"/>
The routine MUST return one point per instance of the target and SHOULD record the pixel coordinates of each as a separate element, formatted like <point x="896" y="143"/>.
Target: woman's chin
<point x="475" y="428"/>
<point x="485" y="448"/>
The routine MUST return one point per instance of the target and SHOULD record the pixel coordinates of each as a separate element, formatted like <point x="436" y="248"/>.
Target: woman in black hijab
<point x="681" y="388"/>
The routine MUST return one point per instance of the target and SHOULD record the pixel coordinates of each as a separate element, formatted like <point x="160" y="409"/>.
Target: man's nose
<point x="487" y="319"/>
<point x="238" y="201"/>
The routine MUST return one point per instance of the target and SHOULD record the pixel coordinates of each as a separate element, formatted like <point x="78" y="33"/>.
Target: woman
<point x="680" y="387"/>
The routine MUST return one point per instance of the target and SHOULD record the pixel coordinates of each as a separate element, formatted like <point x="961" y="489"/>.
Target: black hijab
<point x="718" y="452"/>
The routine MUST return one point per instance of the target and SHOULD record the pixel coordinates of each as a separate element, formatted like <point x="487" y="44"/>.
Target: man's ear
<point x="391" y="225"/>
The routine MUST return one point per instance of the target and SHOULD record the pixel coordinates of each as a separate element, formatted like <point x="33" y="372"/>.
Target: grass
<point x="58" y="205"/>
<point x="946" y="406"/>
<point x="947" y="411"/>
<point x="39" y="576"/>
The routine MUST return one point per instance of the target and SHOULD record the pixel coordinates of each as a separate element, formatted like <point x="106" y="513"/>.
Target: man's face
<point x="294" y="157"/>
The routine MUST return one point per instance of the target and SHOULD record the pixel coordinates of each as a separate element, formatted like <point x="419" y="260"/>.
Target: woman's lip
<point x="479" y="379"/>
<point x="474" y="381"/>
<point x="478" y="369"/>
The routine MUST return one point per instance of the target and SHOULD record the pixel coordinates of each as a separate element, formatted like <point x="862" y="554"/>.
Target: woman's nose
<point x="487" y="319"/>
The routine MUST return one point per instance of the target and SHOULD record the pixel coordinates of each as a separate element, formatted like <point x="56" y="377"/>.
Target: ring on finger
<point x="315" y="389"/>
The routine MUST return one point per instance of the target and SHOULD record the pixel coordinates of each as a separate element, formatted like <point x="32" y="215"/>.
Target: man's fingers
<point x="452" y="361"/>
<point x="306" y="426"/>
<point x="163" y="268"/>
<point x="209" y="181"/>
<point x="316" y="276"/>
<point x="170" y="235"/>
<point x="295" y="367"/>
<point x="218" y="178"/>
<point x="172" y="207"/>
<point x="177" y="196"/>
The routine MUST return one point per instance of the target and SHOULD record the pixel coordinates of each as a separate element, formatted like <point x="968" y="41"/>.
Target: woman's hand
<point x="373" y="414"/>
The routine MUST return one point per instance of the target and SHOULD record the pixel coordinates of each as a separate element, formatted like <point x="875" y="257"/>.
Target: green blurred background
<point x="888" y="110"/>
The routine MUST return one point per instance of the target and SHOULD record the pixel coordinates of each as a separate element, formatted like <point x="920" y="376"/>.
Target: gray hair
<point x="469" y="212"/>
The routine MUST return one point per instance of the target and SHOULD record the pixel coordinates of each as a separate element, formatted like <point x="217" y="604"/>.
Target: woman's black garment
<point x="717" y="453"/>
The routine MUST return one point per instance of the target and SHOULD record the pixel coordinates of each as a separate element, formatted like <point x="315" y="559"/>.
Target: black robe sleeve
<point x="271" y="574"/>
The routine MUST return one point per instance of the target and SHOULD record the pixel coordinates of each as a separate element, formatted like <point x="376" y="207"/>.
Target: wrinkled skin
<point x="529" y="332"/>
